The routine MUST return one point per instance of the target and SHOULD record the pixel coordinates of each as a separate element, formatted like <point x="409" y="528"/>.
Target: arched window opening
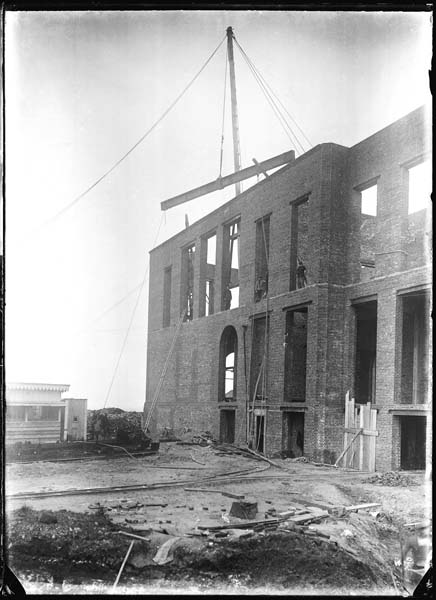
<point x="228" y="365"/>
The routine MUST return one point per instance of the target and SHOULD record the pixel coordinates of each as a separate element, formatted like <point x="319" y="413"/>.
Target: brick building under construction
<point x="313" y="283"/>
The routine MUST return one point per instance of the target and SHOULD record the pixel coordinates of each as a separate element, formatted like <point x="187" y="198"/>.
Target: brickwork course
<point x="352" y="260"/>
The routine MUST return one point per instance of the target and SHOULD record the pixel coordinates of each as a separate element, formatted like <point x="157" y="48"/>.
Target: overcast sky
<point x="82" y="88"/>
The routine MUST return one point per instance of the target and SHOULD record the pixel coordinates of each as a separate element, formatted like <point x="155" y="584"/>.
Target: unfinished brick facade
<point x="291" y="350"/>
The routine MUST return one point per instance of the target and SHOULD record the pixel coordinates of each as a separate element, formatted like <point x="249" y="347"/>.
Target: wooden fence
<point x="360" y="434"/>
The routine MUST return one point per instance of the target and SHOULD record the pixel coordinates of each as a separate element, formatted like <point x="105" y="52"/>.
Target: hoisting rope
<point x="270" y="95"/>
<point x="282" y="120"/>
<point x="135" y="145"/>
<point x="163" y="373"/>
<point x="224" y="113"/>
<point x="131" y="321"/>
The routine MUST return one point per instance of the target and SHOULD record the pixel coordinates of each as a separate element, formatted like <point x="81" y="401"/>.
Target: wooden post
<point x="235" y="124"/>
<point x="122" y="566"/>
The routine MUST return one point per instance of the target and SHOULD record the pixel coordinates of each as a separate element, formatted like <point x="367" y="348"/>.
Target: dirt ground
<point x="81" y="550"/>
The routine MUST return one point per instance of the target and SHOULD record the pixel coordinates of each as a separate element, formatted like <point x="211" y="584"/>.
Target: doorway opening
<point x="366" y="351"/>
<point x="227" y="426"/>
<point x="259" y="439"/>
<point x="295" y="355"/>
<point x="415" y="348"/>
<point x="293" y="434"/>
<point x="413" y="440"/>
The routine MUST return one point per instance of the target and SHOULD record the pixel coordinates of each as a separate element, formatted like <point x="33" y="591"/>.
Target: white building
<point x="36" y="412"/>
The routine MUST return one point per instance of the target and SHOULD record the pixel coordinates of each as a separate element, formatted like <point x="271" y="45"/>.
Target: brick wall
<point x="330" y="236"/>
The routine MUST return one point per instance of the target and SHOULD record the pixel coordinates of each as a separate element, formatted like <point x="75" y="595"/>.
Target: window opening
<point x="299" y="248"/>
<point x="188" y="258"/>
<point x="368" y="224"/>
<point x="257" y="369"/>
<point x="211" y="250"/>
<point x="420" y="186"/>
<point x="369" y="201"/>
<point x="230" y="279"/>
<point x="415" y="368"/>
<point x="261" y="259"/>
<point x="228" y="365"/>
<point x="167" y="298"/>
<point x="207" y="276"/>
<point x="295" y="355"/>
<point x="34" y="413"/>
<point x="209" y="297"/>
<point x="15" y="413"/>
<point x="50" y="413"/>
<point x="366" y="351"/>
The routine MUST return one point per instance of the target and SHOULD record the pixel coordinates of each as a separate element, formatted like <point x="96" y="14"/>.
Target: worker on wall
<point x="227" y="298"/>
<point x="301" y="274"/>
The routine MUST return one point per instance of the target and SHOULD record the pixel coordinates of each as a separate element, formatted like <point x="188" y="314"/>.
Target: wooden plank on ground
<point x="299" y="519"/>
<point x="362" y="506"/>
<point x="246" y="525"/>
<point x="215" y="491"/>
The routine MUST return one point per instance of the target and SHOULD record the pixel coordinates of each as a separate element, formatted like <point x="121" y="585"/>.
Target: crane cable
<point x="131" y="320"/>
<point x="269" y="94"/>
<point x="286" y="127"/>
<point x="141" y="139"/>
<point x="268" y="90"/>
<point x="276" y="97"/>
<point x="224" y="112"/>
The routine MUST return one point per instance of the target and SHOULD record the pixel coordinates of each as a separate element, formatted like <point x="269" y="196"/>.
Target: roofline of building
<point x="421" y="108"/>
<point x="46" y="387"/>
<point x="257" y="185"/>
<point x="298" y="160"/>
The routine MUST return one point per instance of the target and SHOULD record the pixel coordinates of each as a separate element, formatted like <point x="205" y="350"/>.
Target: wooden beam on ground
<point x="362" y="506"/>
<point x="216" y="491"/>
<point x="246" y="525"/>
<point x="222" y="182"/>
<point x="133" y="535"/>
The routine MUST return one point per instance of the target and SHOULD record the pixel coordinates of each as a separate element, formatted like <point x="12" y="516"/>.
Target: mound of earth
<point x="65" y="546"/>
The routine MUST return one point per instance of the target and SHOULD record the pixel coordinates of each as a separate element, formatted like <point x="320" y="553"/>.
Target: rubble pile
<point x="391" y="478"/>
<point x="187" y="437"/>
<point x="279" y="551"/>
<point x="62" y="543"/>
<point x="122" y="427"/>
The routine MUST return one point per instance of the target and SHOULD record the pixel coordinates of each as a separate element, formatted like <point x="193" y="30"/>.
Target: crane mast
<point x="235" y="124"/>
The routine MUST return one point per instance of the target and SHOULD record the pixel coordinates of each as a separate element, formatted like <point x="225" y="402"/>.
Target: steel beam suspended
<point x="222" y="182"/>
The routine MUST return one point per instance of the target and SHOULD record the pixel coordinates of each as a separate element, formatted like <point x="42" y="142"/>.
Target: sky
<point x="81" y="88"/>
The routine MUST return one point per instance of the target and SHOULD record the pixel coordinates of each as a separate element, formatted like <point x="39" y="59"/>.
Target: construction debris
<point x="123" y="564"/>
<point x="391" y="478"/>
<point x="164" y="554"/>
<point x="299" y="525"/>
<point x="244" y="509"/>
